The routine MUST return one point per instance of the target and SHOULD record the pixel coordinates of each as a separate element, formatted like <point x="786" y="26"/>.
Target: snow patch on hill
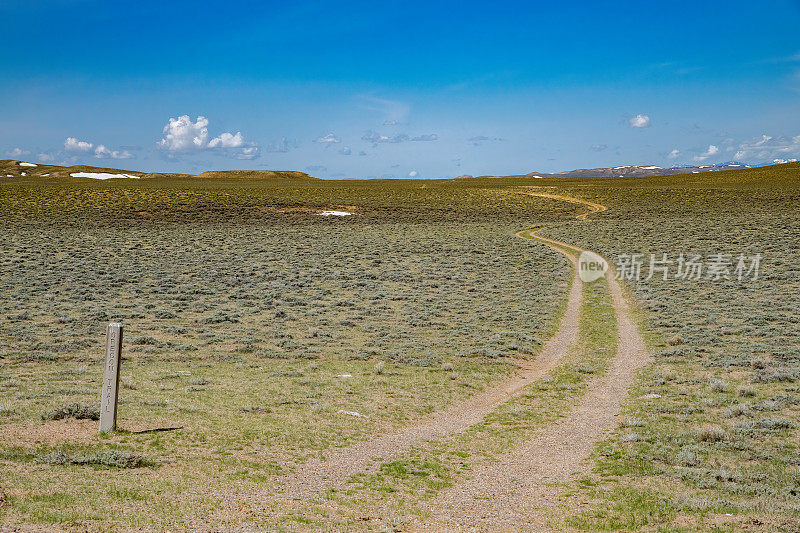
<point x="101" y="175"/>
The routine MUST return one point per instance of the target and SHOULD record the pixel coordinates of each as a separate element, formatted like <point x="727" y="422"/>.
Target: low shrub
<point x="73" y="410"/>
<point x="111" y="459"/>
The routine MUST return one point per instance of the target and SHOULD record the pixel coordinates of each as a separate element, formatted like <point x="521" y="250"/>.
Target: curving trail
<point x="317" y="475"/>
<point x="593" y="207"/>
<point x="521" y="491"/>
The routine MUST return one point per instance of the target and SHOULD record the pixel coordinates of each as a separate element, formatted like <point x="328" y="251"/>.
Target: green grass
<point x="718" y="444"/>
<point x="418" y="475"/>
<point x="628" y="510"/>
<point x="238" y="320"/>
<point x="242" y="307"/>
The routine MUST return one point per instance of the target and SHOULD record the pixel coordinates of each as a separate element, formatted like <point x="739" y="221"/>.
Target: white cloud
<point x="17" y="152"/>
<point x="763" y="140"/>
<point x="346" y="151"/>
<point x="639" y="121"/>
<point x="45" y="156"/>
<point x="71" y="144"/>
<point x="101" y="152"/>
<point x="247" y="152"/>
<point x="767" y="147"/>
<point x="376" y="138"/>
<point x="181" y="135"/>
<point x="226" y="140"/>
<point x="674" y="153"/>
<point x="478" y="140"/>
<point x="413" y="174"/>
<point x="328" y="139"/>
<point x="711" y="151"/>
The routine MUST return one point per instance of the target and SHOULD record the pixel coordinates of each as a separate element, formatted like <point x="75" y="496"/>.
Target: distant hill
<point x="15" y="168"/>
<point x="629" y="171"/>
<point x="256" y="174"/>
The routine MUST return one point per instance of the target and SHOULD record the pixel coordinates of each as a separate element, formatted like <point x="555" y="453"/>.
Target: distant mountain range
<point x="10" y="168"/>
<point x="626" y="171"/>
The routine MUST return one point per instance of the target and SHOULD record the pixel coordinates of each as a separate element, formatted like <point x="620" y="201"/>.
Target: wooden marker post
<point x="108" y="397"/>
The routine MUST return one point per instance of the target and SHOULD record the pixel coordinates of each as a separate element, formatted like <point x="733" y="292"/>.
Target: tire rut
<point x="340" y="464"/>
<point x="521" y="490"/>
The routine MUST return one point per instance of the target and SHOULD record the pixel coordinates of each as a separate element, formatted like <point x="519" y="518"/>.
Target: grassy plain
<point x="251" y="322"/>
<point x="244" y="310"/>
<point x="718" y="449"/>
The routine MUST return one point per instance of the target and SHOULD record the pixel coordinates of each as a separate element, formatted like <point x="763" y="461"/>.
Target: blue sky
<point x="392" y="89"/>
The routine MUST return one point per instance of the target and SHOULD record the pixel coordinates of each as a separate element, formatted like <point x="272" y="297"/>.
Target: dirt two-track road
<point x="520" y="491"/>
